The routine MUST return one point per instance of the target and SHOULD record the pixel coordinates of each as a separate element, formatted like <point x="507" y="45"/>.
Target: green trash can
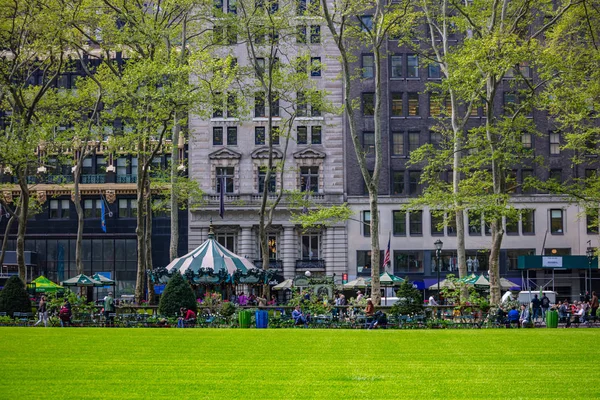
<point x="551" y="319"/>
<point x="245" y="318"/>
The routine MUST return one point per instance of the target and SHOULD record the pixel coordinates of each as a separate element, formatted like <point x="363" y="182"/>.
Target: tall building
<point x="107" y="178"/>
<point x="233" y="149"/>
<point x="549" y="224"/>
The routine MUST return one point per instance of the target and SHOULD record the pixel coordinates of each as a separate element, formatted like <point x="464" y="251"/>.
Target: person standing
<point x="593" y="305"/>
<point x="536" y="306"/>
<point x="42" y="312"/>
<point x="109" y="309"/>
<point x="432" y="301"/>
<point x="545" y="306"/>
<point x="242" y="299"/>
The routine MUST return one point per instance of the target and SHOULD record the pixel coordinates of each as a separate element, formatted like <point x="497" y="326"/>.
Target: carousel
<point x="213" y="265"/>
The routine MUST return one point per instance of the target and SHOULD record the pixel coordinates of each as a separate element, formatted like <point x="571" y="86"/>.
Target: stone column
<point x="289" y="251"/>
<point x="245" y="248"/>
<point x="335" y="251"/>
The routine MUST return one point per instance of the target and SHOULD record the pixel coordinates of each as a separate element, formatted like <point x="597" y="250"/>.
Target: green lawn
<point x="298" y="363"/>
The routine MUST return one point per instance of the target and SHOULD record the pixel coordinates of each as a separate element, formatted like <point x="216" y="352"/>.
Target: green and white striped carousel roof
<point x="210" y="255"/>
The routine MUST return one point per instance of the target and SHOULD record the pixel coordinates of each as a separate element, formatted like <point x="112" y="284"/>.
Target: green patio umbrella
<point x="45" y="285"/>
<point x="388" y="280"/>
<point x="81" y="280"/>
<point x="445" y="283"/>
<point x="475" y="280"/>
<point x="104" y="280"/>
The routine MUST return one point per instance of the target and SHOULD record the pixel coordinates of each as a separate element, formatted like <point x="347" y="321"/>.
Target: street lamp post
<point x="438" y="252"/>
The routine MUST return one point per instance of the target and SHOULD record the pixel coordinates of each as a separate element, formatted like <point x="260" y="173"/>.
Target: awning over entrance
<point x="556" y="262"/>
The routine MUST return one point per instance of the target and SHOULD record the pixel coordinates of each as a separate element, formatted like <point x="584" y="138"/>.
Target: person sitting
<point x="379" y="320"/>
<point x="190" y="318"/>
<point x="513" y="317"/>
<point x="299" y="317"/>
<point x="65" y="314"/>
<point x="524" y="317"/>
<point x="501" y="317"/>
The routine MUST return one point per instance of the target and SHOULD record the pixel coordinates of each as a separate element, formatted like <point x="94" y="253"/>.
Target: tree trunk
<point x="140" y="232"/>
<point x="375" y="257"/>
<point x="149" y="265"/>
<point x="497" y="235"/>
<point x="173" y="247"/>
<point x="23" y="214"/>
<point x="80" y="220"/>
<point x="5" y="238"/>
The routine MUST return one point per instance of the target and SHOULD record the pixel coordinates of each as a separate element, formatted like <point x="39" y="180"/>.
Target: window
<point x="259" y="135"/>
<point x="591" y="221"/>
<point x="414" y="185"/>
<point x="556" y="222"/>
<point x="366" y="219"/>
<point x="410" y="262"/>
<point x="225" y="175"/>
<point x="510" y="99"/>
<point x="259" y="105"/>
<point x="310" y="246"/>
<point x="555" y="175"/>
<point x="232" y="135"/>
<point x="368" y="101"/>
<point x="413" y="140"/>
<point x="554" y="143"/>
<point x="309" y="179"/>
<point x="59" y="209"/>
<point x="512" y="224"/>
<point x="275" y="135"/>
<point x="217" y="136"/>
<point x="412" y="66"/>
<point x="226" y="240"/>
<point x="398" y="143"/>
<point x="87" y="167"/>
<point x="274" y="107"/>
<point x="398" y="183"/>
<point x="302" y="135"/>
<point x="512" y="257"/>
<point x="315" y="66"/>
<point x="397" y="110"/>
<point x="434" y="71"/>
<point x="127" y="208"/>
<point x="301" y="104"/>
<point x="231" y="36"/>
<point x="396" y="62"/>
<point x="315" y="134"/>
<point x="435" y="138"/>
<point x="399" y="223"/>
<point x="368" y="66"/>
<point x="363" y="262"/>
<point x="218" y="105"/>
<point x="526" y="140"/>
<point x="232" y="6"/>
<point x="301" y="34"/>
<point x="437" y="223"/>
<point x="366" y="23"/>
<point x="451" y="225"/>
<point x="315" y="34"/>
<point x="526" y="175"/>
<point x="413" y="104"/>
<point x="232" y="105"/>
<point x="262" y="173"/>
<point x="307" y="6"/>
<point x="121" y="166"/>
<point x="369" y="143"/>
<point x="439" y="106"/>
<point x="416" y="222"/>
<point x="528" y="221"/>
<point x="92" y="208"/>
<point x="474" y="223"/>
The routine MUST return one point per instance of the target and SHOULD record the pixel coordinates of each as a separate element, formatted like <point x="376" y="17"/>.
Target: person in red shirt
<point x="189" y="318"/>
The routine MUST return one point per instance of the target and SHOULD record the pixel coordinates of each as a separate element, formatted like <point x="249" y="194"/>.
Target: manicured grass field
<point x="297" y="363"/>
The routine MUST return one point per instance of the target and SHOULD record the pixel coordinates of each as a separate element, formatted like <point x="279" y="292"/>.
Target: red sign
<point x="344" y="278"/>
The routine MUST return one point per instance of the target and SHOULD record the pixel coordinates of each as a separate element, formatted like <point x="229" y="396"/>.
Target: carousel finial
<point x="211" y="232"/>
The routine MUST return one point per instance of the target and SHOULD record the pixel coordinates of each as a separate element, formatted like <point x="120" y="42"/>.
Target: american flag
<point x="386" y="258"/>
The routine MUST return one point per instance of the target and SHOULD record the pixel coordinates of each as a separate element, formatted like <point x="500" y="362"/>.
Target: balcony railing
<point x="310" y="265"/>
<point x="59" y="179"/>
<point x="90" y="178"/>
<point x="127" y="178"/>
<point x="255" y="199"/>
<point x="273" y="264"/>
